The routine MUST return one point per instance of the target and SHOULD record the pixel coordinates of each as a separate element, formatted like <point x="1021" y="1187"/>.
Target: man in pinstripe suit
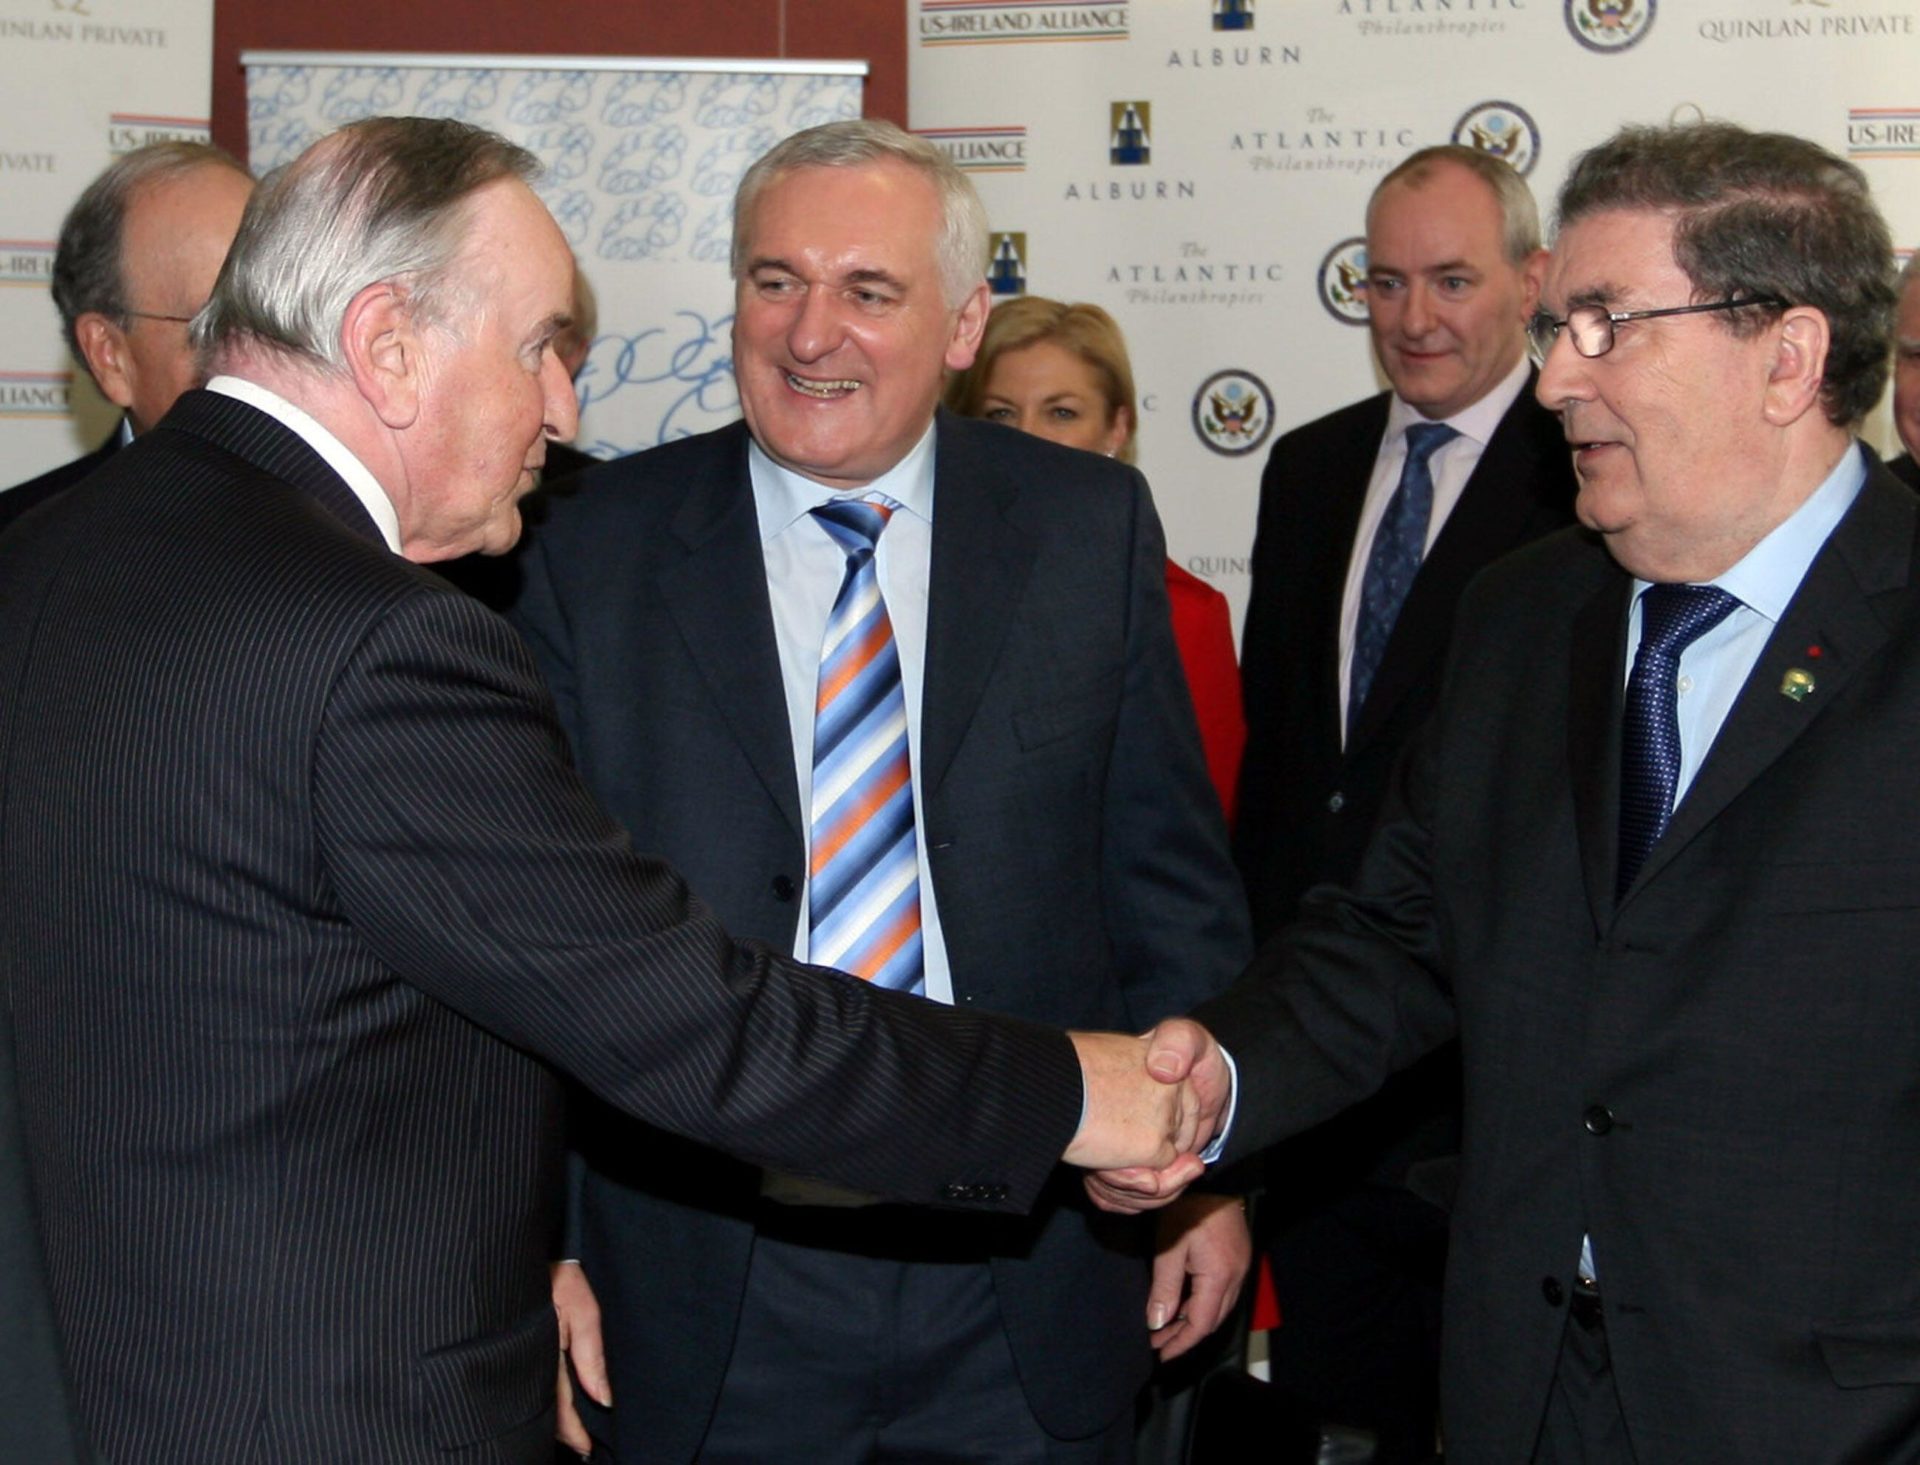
<point x="301" y="897"/>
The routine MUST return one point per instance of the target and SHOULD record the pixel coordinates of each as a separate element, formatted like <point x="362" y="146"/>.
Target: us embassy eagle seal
<point x="1343" y="282"/>
<point x="1501" y="130"/>
<point x="1609" y="25"/>
<point x="1233" y="412"/>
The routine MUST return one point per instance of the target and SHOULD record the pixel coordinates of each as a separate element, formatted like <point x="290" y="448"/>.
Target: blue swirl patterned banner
<point x="642" y="158"/>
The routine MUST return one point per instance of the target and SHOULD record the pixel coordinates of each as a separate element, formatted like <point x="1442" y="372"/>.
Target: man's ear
<point x="382" y="346"/>
<point x="1799" y="365"/>
<point x="103" y="344"/>
<point x="969" y="324"/>
<point x="1533" y="276"/>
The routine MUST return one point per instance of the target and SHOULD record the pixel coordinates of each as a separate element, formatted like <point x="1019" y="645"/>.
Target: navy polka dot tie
<point x="1672" y="617"/>
<point x="1398" y="546"/>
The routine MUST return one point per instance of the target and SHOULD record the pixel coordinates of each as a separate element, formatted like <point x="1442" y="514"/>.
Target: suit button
<point x="782" y="889"/>
<point x="953" y="1192"/>
<point x="1598" y="1119"/>
<point x="1336" y="803"/>
<point x="1551" y="1289"/>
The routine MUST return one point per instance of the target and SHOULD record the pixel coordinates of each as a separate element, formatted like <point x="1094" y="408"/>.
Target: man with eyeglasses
<point x="137" y="256"/>
<point x="1656" y="860"/>
<point x="1373" y="519"/>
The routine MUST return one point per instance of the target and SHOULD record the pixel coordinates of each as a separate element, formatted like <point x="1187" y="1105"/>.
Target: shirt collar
<point x="1768" y="575"/>
<point x="781" y="497"/>
<point x="1478" y="421"/>
<point x="338" y="456"/>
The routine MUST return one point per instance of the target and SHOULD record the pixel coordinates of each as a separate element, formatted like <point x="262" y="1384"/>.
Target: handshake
<point x="1153" y="1104"/>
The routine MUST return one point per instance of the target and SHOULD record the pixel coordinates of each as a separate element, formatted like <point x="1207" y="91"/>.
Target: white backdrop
<point x="642" y="159"/>
<point x="1201" y="167"/>
<point x="84" y="81"/>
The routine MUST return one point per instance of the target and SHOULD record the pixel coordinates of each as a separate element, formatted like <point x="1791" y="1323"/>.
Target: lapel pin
<point x="1797" y="684"/>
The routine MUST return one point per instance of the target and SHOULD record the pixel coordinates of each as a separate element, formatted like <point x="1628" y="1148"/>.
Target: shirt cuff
<point x="1219" y="1143"/>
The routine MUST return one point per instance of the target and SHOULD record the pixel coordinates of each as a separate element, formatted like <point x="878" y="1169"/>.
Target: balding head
<point x="137" y="257"/>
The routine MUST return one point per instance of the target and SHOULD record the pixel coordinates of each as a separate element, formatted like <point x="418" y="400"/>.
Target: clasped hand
<point x="1153" y="1104"/>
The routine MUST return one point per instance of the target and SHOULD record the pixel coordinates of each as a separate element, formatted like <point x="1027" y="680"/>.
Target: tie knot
<point x="1424" y="439"/>
<point x="1673" y="616"/>
<point x="855" y="524"/>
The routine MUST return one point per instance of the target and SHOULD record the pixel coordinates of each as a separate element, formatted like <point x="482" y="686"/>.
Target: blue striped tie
<point x="864" y="897"/>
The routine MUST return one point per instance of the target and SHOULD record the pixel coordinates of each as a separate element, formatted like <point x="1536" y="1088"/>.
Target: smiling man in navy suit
<point x="1052" y="846"/>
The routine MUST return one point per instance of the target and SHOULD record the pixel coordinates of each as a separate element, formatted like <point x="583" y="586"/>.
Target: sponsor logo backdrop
<point x="642" y="158"/>
<point x="1201" y="169"/>
<point x="84" y="81"/>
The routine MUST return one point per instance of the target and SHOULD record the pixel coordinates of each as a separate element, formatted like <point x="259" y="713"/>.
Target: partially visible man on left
<point x="137" y="258"/>
<point x="1906" y="374"/>
<point x="300" y="897"/>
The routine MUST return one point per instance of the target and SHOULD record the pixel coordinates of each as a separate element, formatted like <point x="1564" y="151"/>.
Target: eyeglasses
<point x="1590" y="327"/>
<point x="185" y="320"/>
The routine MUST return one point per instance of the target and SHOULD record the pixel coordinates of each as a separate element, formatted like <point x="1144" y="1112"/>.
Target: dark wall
<point x="874" y="31"/>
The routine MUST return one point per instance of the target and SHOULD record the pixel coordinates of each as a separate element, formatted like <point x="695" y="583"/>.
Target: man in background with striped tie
<point x="898" y="692"/>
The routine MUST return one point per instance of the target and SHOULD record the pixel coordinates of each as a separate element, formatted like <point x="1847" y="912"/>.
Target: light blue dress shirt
<point x="804" y="571"/>
<point x="1716" y="666"/>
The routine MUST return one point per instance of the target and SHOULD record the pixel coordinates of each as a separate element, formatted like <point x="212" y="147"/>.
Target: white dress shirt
<point x="365" y="486"/>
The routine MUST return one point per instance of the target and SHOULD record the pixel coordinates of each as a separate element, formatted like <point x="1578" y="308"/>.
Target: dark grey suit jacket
<point x="36" y="491"/>
<point x="301" y="898"/>
<point x="1715" y="1077"/>
<point x="1290" y="830"/>
<point x="36" y="1417"/>
<point x="1306" y="803"/>
<point x="1074" y="841"/>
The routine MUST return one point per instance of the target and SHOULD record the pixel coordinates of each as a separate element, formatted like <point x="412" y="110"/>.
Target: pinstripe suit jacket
<point x="301" y="898"/>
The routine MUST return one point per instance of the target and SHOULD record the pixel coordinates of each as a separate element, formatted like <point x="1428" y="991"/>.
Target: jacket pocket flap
<point x="1068" y="711"/>
<point x="1862" y="1352"/>
<point x="481" y="1388"/>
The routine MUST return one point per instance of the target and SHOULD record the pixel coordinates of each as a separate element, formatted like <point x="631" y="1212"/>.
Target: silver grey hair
<point x="88" y="277"/>
<point x="1519" y="214"/>
<point x="962" y="246"/>
<point x="380" y="201"/>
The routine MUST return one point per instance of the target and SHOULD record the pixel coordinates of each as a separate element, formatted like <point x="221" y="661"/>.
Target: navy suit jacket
<point x="301" y="899"/>
<point x="1074" y="841"/>
<point x="1713" y="1076"/>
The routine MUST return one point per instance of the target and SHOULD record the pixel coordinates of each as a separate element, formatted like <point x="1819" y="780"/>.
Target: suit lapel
<point x="717" y="594"/>
<point x="1593" y="735"/>
<point x="981" y="561"/>
<point x="1840" y="609"/>
<point x="1345" y="494"/>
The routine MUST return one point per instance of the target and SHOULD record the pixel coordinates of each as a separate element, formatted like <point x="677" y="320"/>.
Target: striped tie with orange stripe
<point x="864" y="895"/>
